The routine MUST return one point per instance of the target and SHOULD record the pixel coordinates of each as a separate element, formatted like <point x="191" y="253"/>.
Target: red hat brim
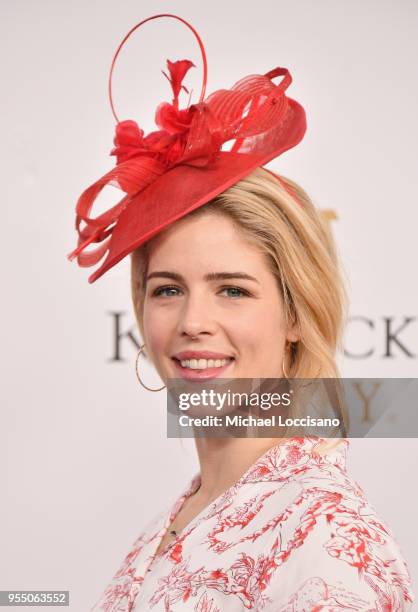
<point x="184" y="188"/>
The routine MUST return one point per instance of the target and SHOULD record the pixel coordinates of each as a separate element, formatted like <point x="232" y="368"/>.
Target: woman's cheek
<point x="160" y="331"/>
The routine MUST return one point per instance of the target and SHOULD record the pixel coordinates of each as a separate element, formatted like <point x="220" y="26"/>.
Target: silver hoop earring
<point x="137" y="373"/>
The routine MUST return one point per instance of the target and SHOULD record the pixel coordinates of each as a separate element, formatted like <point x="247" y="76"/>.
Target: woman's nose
<point x="195" y="316"/>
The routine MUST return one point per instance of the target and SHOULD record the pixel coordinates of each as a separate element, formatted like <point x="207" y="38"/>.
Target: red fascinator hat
<point x="180" y="167"/>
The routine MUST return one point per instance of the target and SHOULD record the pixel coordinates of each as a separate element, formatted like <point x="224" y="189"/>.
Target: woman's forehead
<point x="208" y="233"/>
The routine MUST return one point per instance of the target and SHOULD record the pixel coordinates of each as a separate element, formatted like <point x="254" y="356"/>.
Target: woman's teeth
<point x="202" y="364"/>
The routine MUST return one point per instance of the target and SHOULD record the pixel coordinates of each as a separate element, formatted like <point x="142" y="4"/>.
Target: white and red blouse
<point x="294" y="534"/>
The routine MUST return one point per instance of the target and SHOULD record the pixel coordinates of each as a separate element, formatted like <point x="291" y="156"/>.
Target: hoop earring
<point x="137" y="373"/>
<point x="287" y="345"/>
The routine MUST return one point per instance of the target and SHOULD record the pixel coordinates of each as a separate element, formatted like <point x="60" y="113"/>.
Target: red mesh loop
<point x="132" y="30"/>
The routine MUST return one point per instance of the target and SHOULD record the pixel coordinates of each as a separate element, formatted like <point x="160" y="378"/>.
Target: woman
<point x="243" y="284"/>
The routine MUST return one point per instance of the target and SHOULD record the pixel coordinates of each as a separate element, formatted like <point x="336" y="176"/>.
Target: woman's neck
<point x="224" y="460"/>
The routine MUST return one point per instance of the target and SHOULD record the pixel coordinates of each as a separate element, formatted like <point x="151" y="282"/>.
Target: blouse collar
<point x="288" y="458"/>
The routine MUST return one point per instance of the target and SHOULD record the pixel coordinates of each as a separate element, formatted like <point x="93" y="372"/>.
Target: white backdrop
<point x="85" y="456"/>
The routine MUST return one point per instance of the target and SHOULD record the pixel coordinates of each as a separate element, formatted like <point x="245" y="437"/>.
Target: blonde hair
<point x="278" y="217"/>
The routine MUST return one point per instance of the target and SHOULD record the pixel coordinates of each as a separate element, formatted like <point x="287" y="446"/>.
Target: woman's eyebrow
<point x="208" y="277"/>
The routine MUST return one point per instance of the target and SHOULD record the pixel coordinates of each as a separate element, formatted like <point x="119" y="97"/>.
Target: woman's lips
<point x="200" y="374"/>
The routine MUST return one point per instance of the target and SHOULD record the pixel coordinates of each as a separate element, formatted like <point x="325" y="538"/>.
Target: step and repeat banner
<point x="86" y="456"/>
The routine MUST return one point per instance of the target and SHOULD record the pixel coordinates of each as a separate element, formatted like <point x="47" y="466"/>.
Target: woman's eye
<point x="162" y="291"/>
<point x="171" y="291"/>
<point x="236" y="292"/>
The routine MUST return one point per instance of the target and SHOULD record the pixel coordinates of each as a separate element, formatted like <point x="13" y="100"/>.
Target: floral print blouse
<point x="294" y="534"/>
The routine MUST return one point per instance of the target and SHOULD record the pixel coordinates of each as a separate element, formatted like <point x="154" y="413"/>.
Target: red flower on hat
<point x="167" y="144"/>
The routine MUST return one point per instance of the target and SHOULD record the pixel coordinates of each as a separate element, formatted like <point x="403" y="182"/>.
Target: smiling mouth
<point x="203" y="364"/>
<point x="202" y="368"/>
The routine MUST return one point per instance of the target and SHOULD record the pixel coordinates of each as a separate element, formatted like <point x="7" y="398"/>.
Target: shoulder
<point x="332" y="544"/>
